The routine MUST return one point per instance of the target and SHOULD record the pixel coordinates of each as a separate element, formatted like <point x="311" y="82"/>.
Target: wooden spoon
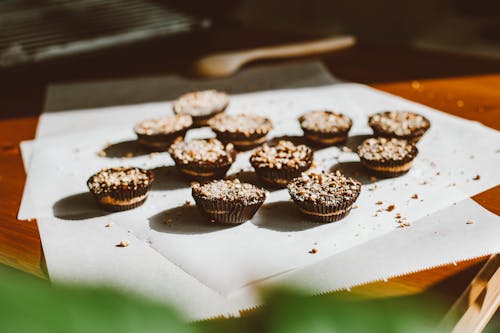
<point x="227" y="63"/>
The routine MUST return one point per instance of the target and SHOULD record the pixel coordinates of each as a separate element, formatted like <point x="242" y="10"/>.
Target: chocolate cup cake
<point x="244" y="131"/>
<point x="276" y="165"/>
<point x="122" y="188"/>
<point x="201" y="105"/>
<point x="387" y="157"/>
<point x="228" y="201"/>
<point x="158" y="134"/>
<point x="202" y="160"/>
<point x="324" y="197"/>
<point x="399" y="124"/>
<point x="325" y="128"/>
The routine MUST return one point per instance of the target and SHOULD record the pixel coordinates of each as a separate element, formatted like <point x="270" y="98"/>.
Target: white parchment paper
<point x="277" y="240"/>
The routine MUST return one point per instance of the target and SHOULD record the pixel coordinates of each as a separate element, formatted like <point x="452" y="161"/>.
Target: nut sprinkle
<point x="245" y="123"/>
<point x="118" y="178"/>
<point x="230" y="190"/>
<point x="400" y="123"/>
<point x="201" y="151"/>
<point x="201" y="103"/>
<point x="386" y="149"/>
<point x="284" y="154"/>
<point x="330" y="189"/>
<point x="165" y="125"/>
<point x="325" y="121"/>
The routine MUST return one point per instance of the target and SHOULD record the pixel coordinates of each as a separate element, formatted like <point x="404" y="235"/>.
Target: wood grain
<point x="20" y="245"/>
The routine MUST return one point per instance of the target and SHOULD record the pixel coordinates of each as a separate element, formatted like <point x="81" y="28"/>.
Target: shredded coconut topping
<point x="325" y="121"/>
<point x="241" y="123"/>
<point x="381" y="149"/>
<point x="164" y="125"/>
<point x="230" y="190"/>
<point x="201" y="103"/>
<point x="325" y="188"/>
<point x="284" y="154"/>
<point x="118" y="178"/>
<point x="201" y="151"/>
<point x="399" y="122"/>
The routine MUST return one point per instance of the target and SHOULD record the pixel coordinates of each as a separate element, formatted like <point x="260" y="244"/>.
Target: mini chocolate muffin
<point x="325" y="128"/>
<point x="202" y="160"/>
<point x="122" y="188"/>
<point x="158" y="134"/>
<point x="387" y="157"/>
<point x="277" y="165"/>
<point x="324" y="197"/>
<point x="201" y="105"/>
<point x="399" y="124"/>
<point x="244" y="131"/>
<point x="228" y="201"/>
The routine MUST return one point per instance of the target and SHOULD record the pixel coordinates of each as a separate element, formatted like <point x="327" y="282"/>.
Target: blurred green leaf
<point x="292" y="312"/>
<point x="28" y="304"/>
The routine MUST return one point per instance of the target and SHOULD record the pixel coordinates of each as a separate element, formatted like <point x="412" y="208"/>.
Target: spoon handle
<point x="227" y="63"/>
<point x="302" y="49"/>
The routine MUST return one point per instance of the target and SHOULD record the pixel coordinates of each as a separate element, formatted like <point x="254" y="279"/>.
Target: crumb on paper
<point x="101" y="153"/>
<point x="313" y="250"/>
<point x="416" y="85"/>
<point x="470" y="222"/>
<point x="425" y="182"/>
<point x="373" y="188"/>
<point x="415" y="196"/>
<point x="376" y="214"/>
<point x="398" y="216"/>
<point x="390" y="208"/>
<point x="123" y="243"/>
<point x="438" y="173"/>
<point x="403" y="224"/>
<point x="477" y="177"/>
<point x="354" y="206"/>
<point x="109" y="225"/>
<point x="452" y="184"/>
<point x="379" y="203"/>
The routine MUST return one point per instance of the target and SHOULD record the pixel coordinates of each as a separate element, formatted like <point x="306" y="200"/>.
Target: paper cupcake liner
<point x="204" y="172"/>
<point x="371" y="166"/>
<point x="324" y="213"/>
<point x="201" y="121"/>
<point x="160" y="142"/>
<point x="279" y="178"/>
<point x="119" y="208"/>
<point x="326" y="138"/>
<point x="237" y="139"/>
<point x="226" y="212"/>
<point x="125" y="194"/>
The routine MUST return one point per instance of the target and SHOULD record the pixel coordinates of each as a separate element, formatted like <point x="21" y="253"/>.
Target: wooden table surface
<point x="463" y="86"/>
